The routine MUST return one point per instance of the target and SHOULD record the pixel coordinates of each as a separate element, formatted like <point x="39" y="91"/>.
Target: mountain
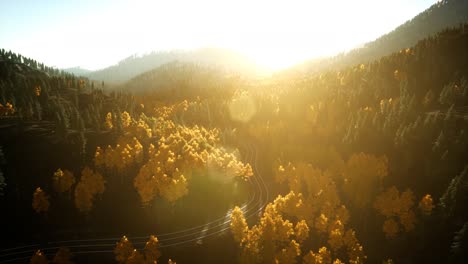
<point x="444" y="14"/>
<point x="135" y="65"/>
<point x="78" y="71"/>
<point x="181" y="80"/>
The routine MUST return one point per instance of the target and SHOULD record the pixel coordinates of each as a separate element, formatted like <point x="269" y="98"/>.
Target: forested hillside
<point x="441" y="15"/>
<point x="35" y="92"/>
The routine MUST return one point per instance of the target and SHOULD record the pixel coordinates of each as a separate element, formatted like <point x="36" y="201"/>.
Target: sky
<point x="94" y="34"/>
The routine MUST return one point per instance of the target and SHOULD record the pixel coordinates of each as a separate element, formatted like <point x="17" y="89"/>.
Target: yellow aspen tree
<point x="39" y="258"/>
<point x="289" y="254"/>
<point x="136" y="258"/>
<point x="335" y="235"/>
<point x="354" y="249"/>
<point x="126" y="119"/>
<point x="90" y="184"/>
<point x="151" y="250"/>
<point x="40" y="201"/>
<point x="390" y="228"/>
<point x="93" y="180"/>
<point x="175" y="189"/>
<point x="323" y="256"/>
<point x="63" y="180"/>
<point x="362" y="175"/>
<point x="108" y="122"/>
<point x="239" y="226"/>
<point x="63" y="256"/>
<point x="301" y="231"/>
<point x="123" y="250"/>
<point x="83" y="198"/>
<point x="426" y="204"/>
<point x="99" y="157"/>
<point x="394" y="205"/>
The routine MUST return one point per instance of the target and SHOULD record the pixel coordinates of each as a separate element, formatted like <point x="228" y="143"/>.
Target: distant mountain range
<point x="134" y="65"/>
<point x="78" y="71"/>
<point x="443" y="14"/>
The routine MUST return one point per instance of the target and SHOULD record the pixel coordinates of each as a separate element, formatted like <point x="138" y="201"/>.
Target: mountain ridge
<point x="134" y="65"/>
<point x="441" y="15"/>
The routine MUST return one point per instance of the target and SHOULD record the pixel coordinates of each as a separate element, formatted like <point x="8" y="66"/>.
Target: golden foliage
<point x="123" y="250"/>
<point x="289" y="253"/>
<point x="108" y="122"/>
<point x="39" y="258"/>
<point x="323" y="256"/>
<point x="91" y="184"/>
<point x="362" y="175"/>
<point x="301" y="231"/>
<point x="291" y="204"/>
<point x="126" y="119"/>
<point x="99" y="158"/>
<point x="342" y="214"/>
<point x="388" y="203"/>
<point x="391" y="204"/>
<point x="135" y="258"/>
<point x="179" y="151"/>
<point x="151" y="250"/>
<point x="321" y="208"/>
<point x="322" y="195"/>
<point x="175" y="188"/>
<point x="93" y="180"/>
<point x="335" y="235"/>
<point x="7" y="110"/>
<point x="321" y="223"/>
<point x="390" y="228"/>
<point x="62" y="256"/>
<point x="408" y="220"/>
<point x="37" y="90"/>
<point x="266" y="240"/>
<point x="354" y="249"/>
<point x="83" y="198"/>
<point x="238" y="224"/>
<point x="40" y="201"/>
<point x="127" y="152"/>
<point x="426" y="204"/>
<point x="63" y="180"/>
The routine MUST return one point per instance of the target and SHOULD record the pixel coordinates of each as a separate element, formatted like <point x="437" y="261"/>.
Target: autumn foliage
<point x="125" y="252"/>
<point x="91" y="184"/>
<point x="63" y="180"/>
<point x="40" y="201"/>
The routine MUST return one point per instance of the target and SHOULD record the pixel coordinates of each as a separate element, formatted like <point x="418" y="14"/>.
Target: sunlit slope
<point x="386" y="139"/>
<point x="444" y="14"/>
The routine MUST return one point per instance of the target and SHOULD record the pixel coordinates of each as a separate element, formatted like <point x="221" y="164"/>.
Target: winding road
<point x="258" y="198"/>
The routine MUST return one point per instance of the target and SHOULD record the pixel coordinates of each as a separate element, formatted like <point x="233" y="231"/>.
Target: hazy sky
<point x="95" y="34"/>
